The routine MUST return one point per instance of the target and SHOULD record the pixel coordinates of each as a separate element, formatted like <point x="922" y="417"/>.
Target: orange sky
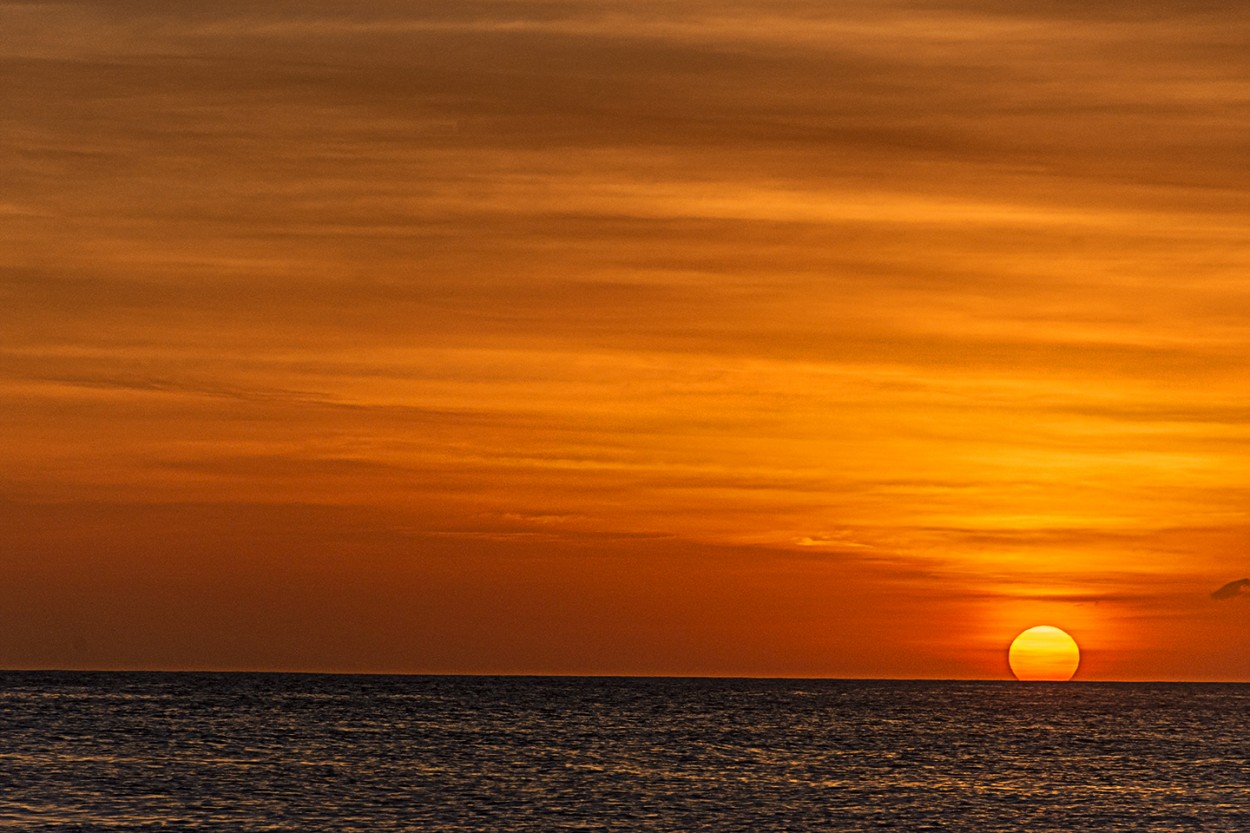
<point x="586" y="336"/>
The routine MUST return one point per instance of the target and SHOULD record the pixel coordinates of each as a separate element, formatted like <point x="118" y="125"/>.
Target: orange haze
<point x="628" y="337"/>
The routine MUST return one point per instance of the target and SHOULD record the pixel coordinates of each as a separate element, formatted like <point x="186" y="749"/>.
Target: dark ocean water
<point x="342" y="753"/>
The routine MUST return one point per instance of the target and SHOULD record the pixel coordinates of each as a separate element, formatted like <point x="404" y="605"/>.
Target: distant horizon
<point x="521" y="676"/>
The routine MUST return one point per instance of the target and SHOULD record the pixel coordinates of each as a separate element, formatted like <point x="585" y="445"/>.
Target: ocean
<point x="279" y="752"/>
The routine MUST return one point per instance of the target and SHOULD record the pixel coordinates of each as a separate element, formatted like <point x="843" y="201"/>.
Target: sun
<point x="1044" y="653"/>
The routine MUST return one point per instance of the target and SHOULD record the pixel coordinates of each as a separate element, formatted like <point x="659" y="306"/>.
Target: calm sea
<point x="258" y="752"/>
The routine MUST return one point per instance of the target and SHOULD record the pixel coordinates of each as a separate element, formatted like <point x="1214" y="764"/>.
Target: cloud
<point x="1231" y="590"/>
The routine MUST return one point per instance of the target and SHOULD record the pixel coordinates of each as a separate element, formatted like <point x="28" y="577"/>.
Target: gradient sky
<point x="619" y="336"/>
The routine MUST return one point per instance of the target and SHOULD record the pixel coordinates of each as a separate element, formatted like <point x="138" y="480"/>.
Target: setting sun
<point x="1044" y="653"/>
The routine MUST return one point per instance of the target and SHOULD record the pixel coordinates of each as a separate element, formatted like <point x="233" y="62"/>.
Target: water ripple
<point x="277" y="752"/>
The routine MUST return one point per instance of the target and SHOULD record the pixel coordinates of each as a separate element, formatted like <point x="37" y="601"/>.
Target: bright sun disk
<point x="1044" y="653"/>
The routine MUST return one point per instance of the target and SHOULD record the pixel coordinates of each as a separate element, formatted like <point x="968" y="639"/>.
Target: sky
<point x="815" y="339"/>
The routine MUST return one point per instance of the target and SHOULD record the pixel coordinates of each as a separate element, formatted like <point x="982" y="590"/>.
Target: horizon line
<point x="601" y="676"/>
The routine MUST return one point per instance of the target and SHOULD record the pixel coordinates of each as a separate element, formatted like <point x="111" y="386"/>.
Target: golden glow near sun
<point x="1044" y="653"/>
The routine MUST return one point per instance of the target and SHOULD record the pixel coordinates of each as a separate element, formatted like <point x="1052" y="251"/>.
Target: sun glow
<point x="1044" y="653"/>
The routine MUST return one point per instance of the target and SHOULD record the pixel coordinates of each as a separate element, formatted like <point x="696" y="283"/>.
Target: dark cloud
<point x="1232" y="590"/>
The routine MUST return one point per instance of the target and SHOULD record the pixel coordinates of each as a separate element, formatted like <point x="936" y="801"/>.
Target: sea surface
<point x="122" y="751"/>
